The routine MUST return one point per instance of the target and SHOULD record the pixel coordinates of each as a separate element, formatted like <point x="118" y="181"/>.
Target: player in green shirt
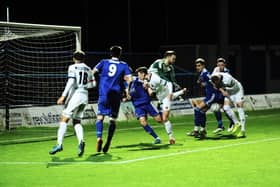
<point x="164" y="68"/>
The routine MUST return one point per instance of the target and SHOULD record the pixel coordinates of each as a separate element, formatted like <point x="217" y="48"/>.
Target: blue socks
<point x="199" y="117"/>
<point x="99" y="128"/>
<point x="218" y="116"/>
<point x="111" y="129"/>
<point x="150" y="130"/>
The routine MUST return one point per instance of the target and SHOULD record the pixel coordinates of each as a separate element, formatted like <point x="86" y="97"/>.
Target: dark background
<point x="152" y="22"/>
<point x="143" y="27"/>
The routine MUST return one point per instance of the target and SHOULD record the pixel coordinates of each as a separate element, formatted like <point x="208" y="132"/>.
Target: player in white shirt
<point x="80" y="79"/>
<point x="233" y="92"/>
<point x="221" y="67"/>
<point x="164" y="92"/>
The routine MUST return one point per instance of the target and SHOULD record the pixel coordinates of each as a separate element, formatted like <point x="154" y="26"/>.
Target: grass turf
<point x="134" y="161"/>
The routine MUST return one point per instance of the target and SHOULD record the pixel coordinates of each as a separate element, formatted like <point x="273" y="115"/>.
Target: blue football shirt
<point x="111" y="72"/>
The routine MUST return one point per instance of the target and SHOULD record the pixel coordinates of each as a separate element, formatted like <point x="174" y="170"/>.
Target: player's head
<point x="116" y="51"/>
<point x="216" y="79"/>
<point x="199" y="64"/>
<point x="221" y="63"/>
<point x="170" y="57"/>
<point x="141" y="72"/>
<point x="79" y="56"/>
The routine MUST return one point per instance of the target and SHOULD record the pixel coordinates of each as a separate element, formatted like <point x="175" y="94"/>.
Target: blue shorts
<point x="109" y="105"/>
<point x="144" y="110"/>
<point x="213" y="97"/>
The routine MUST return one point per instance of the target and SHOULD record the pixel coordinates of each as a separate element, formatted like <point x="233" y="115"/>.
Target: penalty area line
<point x="142" y="158"/>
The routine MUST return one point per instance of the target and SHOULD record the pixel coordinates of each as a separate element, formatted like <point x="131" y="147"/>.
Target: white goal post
<point x="33" y="63"/>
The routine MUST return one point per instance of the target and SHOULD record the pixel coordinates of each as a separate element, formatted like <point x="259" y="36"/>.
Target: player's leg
<point x="102" y="112"/>
<point x="67" y="114"/>
<point x="219" y="99"/>
<point x="227" y="108"/>
<point x="231" y="123"/>
<point x="99" y="132"/>
<point x="218" y="116"/>
<point x="166" y="104"/>
<point x="78" y="115"/>
<point x="200" y="110"/>
<point x="153" y="111"/>
<point x="80" y="136"/>
<point x="60" y="135"/>
<point x="141" y="114"/>
<point x="62" y="129"/>
<point x="200" y="119"/>
<point x="143" y="121"/>
<point x="239" y="103"/>
<point x="175" y="95"/>
<point x="114" y="102"/>
<point x="241" y="114"/>
<point x="195" y="130"/>
<point x="78" y="130"/>
<point x="111" y="131"/>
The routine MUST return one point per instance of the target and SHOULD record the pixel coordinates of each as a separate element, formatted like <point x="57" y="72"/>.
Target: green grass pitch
<point x="133" y="160"/>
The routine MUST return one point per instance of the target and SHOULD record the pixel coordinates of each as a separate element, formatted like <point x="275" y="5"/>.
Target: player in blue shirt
<point x="112" y="73"/>
<point x="139" y="94"/>
<point x="212" y="95"/>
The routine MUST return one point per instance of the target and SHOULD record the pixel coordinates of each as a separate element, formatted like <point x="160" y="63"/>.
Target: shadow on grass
<point x="143" y="146"/>
<point x="57" y="161"/>
<point x="219" y="137"/>
<point x="102" y="157"/>
<point x="94" y="158"/>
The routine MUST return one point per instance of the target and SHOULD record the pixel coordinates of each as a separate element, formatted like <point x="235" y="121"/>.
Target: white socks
<point x="61" y="132"/>
<point x="241" y="117"/>
<point x="168" y="129"/>
<point x="230" y="113"/>
<point x="177" y="94"/>
<point x="79" y="132"/>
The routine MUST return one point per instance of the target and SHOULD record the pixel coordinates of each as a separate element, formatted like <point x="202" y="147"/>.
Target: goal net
<point x="33" y="62"/>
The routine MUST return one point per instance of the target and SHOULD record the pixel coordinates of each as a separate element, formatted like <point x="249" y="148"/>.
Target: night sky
<point x="153" y="22"/>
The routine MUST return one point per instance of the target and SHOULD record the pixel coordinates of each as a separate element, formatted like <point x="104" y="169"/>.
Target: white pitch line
<point x="142" y="158"/>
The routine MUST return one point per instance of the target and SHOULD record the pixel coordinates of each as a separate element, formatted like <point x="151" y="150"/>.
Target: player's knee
<point x="203" y="106"/>
<point x="226" y="107"/>
<point x="143" y="121"/>
<point x="112" y="121"/>
<point x="158" y="118"/>
<point x="100" y="118"/>
<point x="64" y="119"/>
<point x="239" y="105"/>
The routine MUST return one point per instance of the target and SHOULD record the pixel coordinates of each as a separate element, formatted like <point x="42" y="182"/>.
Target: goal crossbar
<point x="77" y="29"/>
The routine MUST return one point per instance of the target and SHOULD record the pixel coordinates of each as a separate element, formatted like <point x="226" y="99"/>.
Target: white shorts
<point x="165" y="104"/>
<point x="76" y="106"/>
<point x="238" y="96"/>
